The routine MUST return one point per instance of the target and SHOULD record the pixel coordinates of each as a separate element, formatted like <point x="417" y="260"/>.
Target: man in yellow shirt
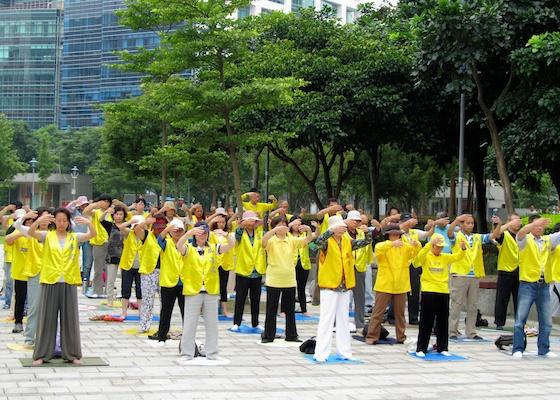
<point x="534" y="275"/>
<point x="508" y="269"/>
<point x="251" y="203"/>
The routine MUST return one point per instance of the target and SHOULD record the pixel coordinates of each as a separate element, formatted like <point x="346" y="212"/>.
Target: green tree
<point x="477" y="37"/>
<point x="10" y="163"/>
<point x="532" y="137"/>
<point x="207" y="41"/>
<point x="46" y="164"/>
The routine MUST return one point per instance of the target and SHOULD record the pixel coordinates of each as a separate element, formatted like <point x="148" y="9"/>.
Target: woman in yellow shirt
<point x="281" y="276"/>
<point x="60" y="276"/>
<point x="435" y="292"/>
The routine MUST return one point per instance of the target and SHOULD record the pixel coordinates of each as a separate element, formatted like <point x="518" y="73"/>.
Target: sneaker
<point x="201" y="348"/>
<point x="235" y="328"/>
<point x="321" y="360"/>
<point x="18" y="328"/>
<point x="267" y="340"/>
<point x="445" y="353"/>
<point x="260" y="328"/>
<point x="161" y="343"/>
<point x="476" y="337"/>
<point x="550" y="354"/>
<point x="499" y="328"/>
<point x="6" y="307"/>
<point x="517" y="354"/>
<point x="155" y="336"/>
<point x="420" y="354"/>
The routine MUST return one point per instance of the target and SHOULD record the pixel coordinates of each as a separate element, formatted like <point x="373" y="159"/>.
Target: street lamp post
<point x="33" y="163"/>
<point x="74" y="174"/>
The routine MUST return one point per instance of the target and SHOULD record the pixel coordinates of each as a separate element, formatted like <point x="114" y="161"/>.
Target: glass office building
<point x="91" y="35"/>
<point x="30" y="55"/>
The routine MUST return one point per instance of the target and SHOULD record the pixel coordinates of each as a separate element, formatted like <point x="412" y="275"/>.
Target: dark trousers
<point x="56" y="299"/>
<point x="20" y="288"/>
<point x="508" y="284"/>
<point x="132" y="276"/>
<point x="301" y="278"/>
<point x="168" y="297"/>
<point x="288" y="303"/>
<point x="244" y="285"/>
<point x="414" y="296"/>
<point x="224" y="275"/>
<point x="435" y="306"/>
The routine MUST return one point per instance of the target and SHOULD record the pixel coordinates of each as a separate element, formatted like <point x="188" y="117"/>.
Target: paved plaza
<point x="139" y="370"/>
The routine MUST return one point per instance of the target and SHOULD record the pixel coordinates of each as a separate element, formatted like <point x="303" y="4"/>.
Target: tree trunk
<point x="477" y="169"/>
<point x="226" y="189"/>
<point x="372" y="167"/>
<point x="452" y="196"/>
<point x="163" y="165"/>
<point x="176" y="185"/>
<point x="256" y="167"/>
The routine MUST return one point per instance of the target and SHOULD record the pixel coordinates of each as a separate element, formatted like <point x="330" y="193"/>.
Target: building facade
<point x="30" y="57"/>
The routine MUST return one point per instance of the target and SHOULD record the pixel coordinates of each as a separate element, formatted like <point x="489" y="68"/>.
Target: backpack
<point x="479" y="320"/>
<point x="382" y="335"/>
<point x="507" y="340"/>
<point x="308" y="347"/>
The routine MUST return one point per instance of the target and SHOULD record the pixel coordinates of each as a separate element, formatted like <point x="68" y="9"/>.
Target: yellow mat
<point x="116" y="304"/>
<point x="18" y="347"/>
<point x="12" y="319"/>
<point x="134" y="331"/>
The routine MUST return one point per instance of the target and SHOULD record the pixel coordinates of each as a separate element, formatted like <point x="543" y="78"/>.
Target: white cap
<point x="19" y="213"/>
<point x="354" y="215"/>
<point x="137" y="219"/>
<point x="177" y="224"/>
<point x="335" y="221"/>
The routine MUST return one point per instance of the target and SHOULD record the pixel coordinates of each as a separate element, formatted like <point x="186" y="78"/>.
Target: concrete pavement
<point x="137" y="370"/>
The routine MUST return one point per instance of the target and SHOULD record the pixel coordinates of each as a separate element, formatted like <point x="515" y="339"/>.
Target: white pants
<point x="334" y="308"/>
<point x="209" y="305"/>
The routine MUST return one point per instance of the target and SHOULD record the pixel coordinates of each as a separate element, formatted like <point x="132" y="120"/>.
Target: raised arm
<point x="33" y="228"/>
<point x="497" y="232"/>
<point x="91" y="229"/>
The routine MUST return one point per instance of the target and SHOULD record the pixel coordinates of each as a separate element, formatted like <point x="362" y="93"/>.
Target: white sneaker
<point x="235" y="328"/>
<point x="260" y="328"/>
<point x="161" y="343"/>
<point x="518" y="354"/>
<point x="550" y="354"/>
<point x="445" y="353"/>
<point x="420" y="354"/>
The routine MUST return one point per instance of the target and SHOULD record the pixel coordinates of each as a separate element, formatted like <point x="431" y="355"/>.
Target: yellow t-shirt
<point x="281" y="271"/>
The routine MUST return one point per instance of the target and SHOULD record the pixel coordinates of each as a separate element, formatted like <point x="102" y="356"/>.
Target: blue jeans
<point x="529" y="293"/>
<point x="9" y="287"/>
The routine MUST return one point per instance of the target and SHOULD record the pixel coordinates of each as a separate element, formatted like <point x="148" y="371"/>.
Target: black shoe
<point x="453" y="337"/>
<point x="296" y="340"/>
<point x="414" y="322"/>
<point x="476" y="337"/>
<point x="267" y="340"/>
<point x="499" y="328"/>
<point x="155" y="336"/>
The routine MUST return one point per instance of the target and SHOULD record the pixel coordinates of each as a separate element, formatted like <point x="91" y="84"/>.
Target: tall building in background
<point x="55" y="56"/>
<point x="91" y="35"/>
<point x="30" y="56"/>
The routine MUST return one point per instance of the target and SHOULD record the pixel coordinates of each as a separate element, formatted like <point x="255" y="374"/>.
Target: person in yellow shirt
<point x="435" y="293"/>
<point x="336" y="277"/>
<point x="60" y="277"/>
<point x="535" y="273"/>
<point x="508" y="269"/>
<point x="394" y="256"/>
<point x="302" y="262"/>
<point x="219" y="221"/>
<point x="281" y="276"/>
<point x="201" y="286"/>
<point x="251" y="202"/>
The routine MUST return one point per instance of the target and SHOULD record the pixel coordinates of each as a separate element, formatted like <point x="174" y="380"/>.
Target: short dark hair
<point x="332" y="200"/>
<point x="557" y="227"/>
<point x="255" y="190"/>
<point x="41" y="210"/>
<point x="214" y="223"/>
<point x="105" y="196"/>
<point x="18" y="204"/>
<point x="141" y="200"/>
<point x="393" y="208"/>
<point x="533" y="217"/>
<point x="278" y="219"/>
<point x="120" y="208"/>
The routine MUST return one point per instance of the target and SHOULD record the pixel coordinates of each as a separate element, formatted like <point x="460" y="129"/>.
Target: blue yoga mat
<point x="351" y="313"/>
<point x="333" y="359"/>
<point x="249" y="330"/>
<point x="439" y="357"/>
<point x="301" y="317"/>
<point x="466" y="340"/>
<point x="222" y="318"/>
